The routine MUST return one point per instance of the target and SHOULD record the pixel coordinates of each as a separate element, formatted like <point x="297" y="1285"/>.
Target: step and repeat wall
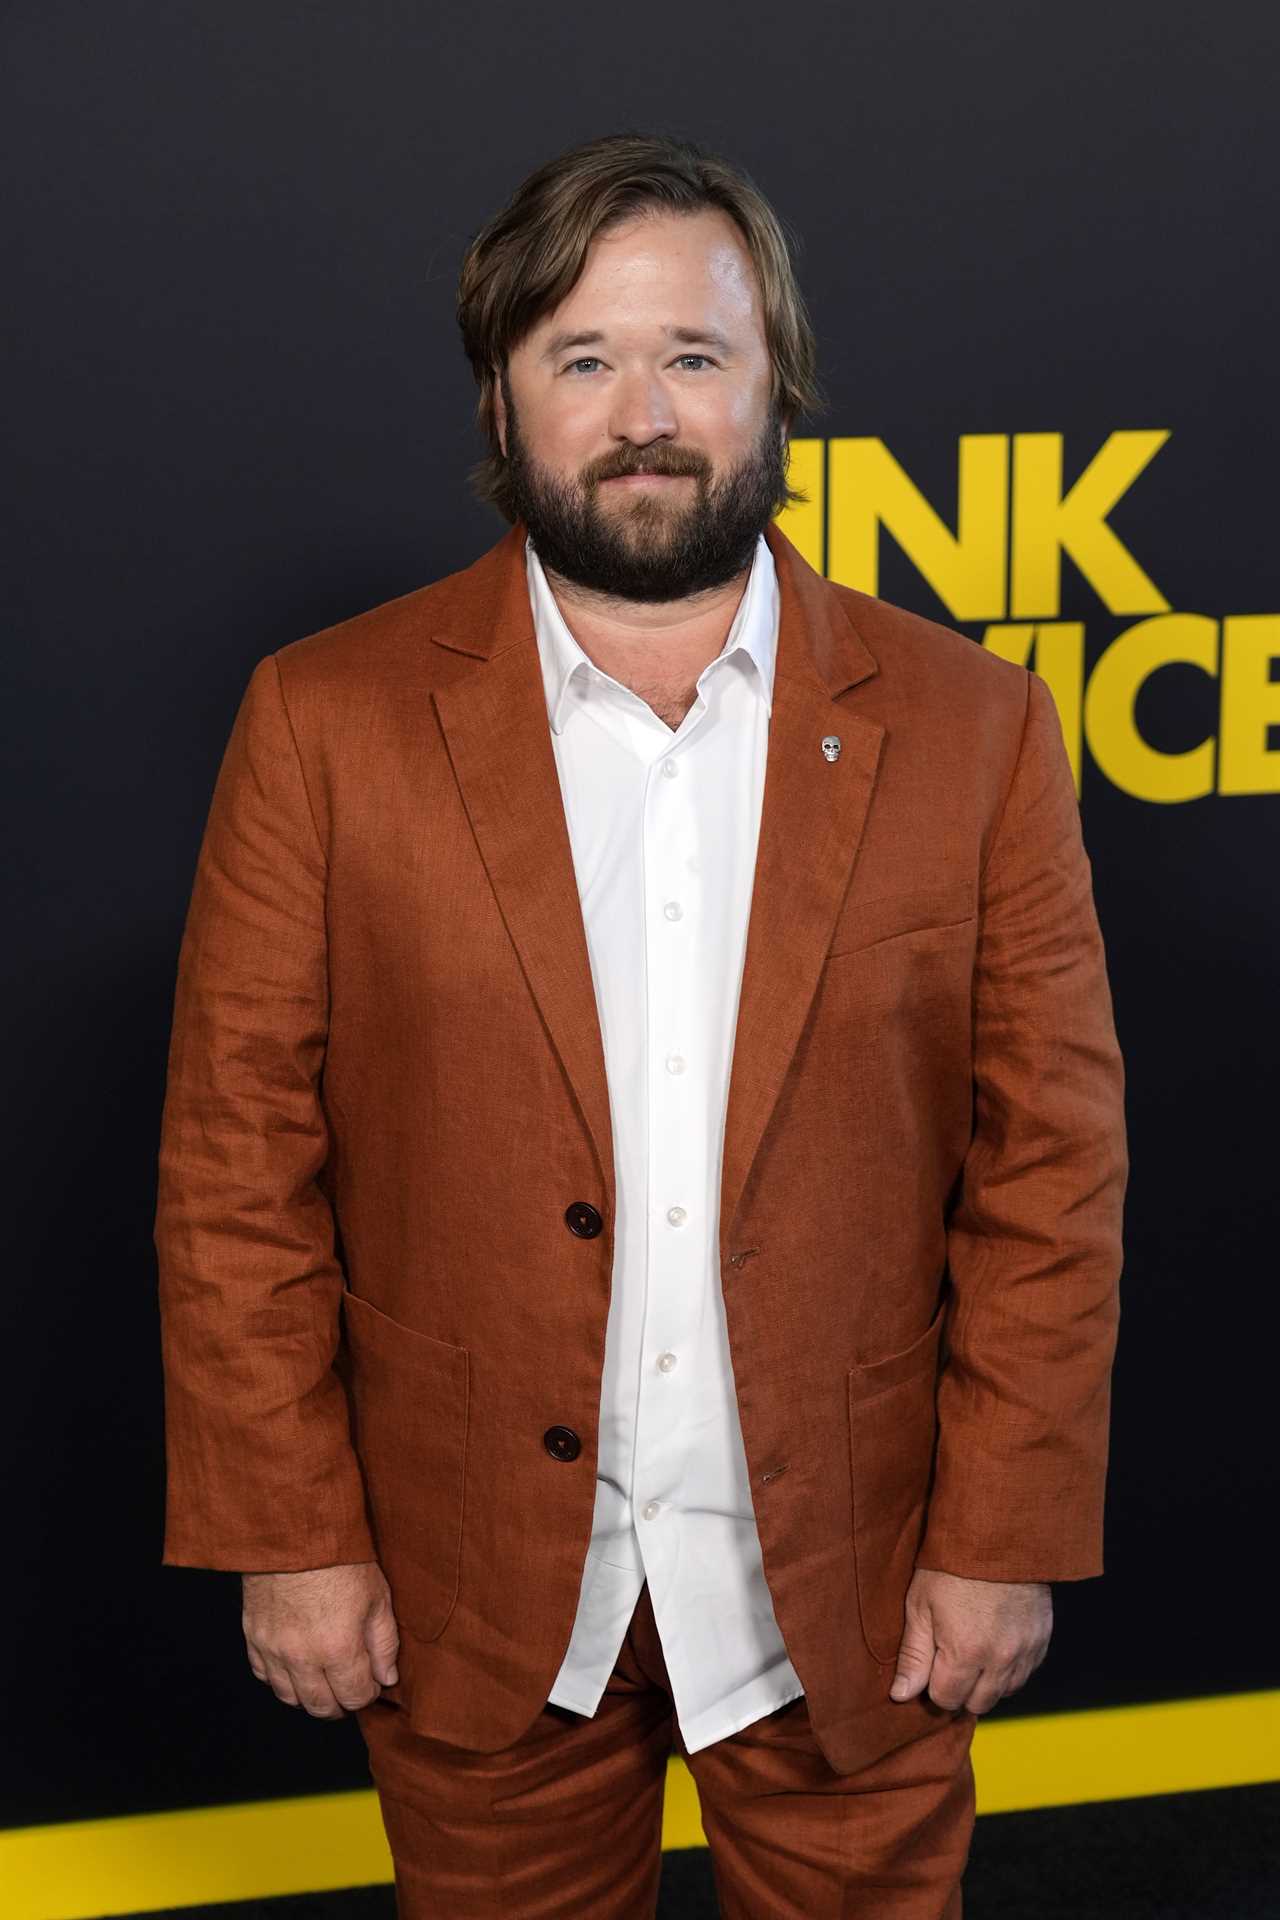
<point x="1038" y="248"/>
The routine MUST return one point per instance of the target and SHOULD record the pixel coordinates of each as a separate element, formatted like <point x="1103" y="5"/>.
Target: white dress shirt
<point x="663" y="827"/>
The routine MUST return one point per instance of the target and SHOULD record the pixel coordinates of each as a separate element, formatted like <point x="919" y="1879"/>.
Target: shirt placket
<point x="676" y="1087"/>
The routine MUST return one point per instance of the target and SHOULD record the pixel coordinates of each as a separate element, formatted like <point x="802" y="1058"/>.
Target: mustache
<point x="673" y="462"/>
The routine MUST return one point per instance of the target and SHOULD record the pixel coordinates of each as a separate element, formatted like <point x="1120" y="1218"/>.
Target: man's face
<point x="643" y="452"/>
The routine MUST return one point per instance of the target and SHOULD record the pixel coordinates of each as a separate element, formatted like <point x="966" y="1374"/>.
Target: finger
<point x="315" y="1693"/>
<point x="280" y="1683"/>
<point x="257" y="1664"/>
<point x="917" y="1652"/>
<point x="952" y="1681"/>
<point x="1019" y="1674"/>
<point x="382" y="1640"/>
<point x="353" y="1684"/>
<point x="984" y="1695"/>
<point x="994" y="1683"/>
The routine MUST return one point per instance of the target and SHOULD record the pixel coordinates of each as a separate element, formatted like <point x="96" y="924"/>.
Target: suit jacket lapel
<point x="812" y="819"/>
<point x="499" y="739"/>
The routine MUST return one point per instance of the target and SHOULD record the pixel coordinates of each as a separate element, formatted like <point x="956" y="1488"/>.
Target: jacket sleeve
<point x="1034" y="1240"/>
<point x="261" y="1474"/>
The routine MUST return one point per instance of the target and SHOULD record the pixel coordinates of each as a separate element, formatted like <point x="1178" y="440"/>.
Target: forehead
<point x="659" y="269"/>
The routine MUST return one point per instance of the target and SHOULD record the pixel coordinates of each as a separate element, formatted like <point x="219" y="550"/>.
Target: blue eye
<point x="592" y="360"/>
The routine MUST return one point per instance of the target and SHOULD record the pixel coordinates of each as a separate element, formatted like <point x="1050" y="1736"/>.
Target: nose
<point x="642" y="410"/>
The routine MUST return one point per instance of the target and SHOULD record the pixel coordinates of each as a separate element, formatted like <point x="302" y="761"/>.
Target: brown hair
<point x="528" y="257"/>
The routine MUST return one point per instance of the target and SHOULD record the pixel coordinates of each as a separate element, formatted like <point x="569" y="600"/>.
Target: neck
<point x="677" y="637"/>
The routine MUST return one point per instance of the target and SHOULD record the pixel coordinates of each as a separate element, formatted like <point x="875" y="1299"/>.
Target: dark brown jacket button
<point x="562" y="1443"/>
<point x="582" y="1219"/>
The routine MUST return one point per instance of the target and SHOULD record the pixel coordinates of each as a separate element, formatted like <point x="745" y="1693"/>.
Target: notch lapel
<point x="498" y="735"/>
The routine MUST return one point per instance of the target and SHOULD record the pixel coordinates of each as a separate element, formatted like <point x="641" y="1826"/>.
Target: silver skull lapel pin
<point x="831" y="745"/>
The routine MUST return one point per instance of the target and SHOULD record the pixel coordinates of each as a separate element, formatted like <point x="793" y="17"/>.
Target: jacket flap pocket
<point x="892" y="1431"/>
<point x="410" y="1402"/>
<point x="887" y="916"/>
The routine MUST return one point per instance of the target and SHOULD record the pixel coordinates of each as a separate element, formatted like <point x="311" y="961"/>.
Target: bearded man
<point x="643" y="1156"/>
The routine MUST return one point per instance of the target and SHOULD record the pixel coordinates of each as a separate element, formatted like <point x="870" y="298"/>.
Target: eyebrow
<point x="687" y="336"/>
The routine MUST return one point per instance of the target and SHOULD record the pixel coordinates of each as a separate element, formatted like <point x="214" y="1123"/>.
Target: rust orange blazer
<point x="387" y="1120"/>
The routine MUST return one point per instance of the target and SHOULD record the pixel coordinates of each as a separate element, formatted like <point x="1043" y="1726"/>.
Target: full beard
<point x="648" y="547"/>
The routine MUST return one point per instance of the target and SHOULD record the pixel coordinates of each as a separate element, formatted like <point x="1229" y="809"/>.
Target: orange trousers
<point x="566" y="1824"/>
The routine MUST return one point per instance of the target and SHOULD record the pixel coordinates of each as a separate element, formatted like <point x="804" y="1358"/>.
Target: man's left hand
<point x="971" y="1641"/>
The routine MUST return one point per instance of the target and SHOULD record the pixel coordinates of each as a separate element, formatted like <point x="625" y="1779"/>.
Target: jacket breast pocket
<point x="893" y="1422"/>
<point x="868" y="921"/>
<point x="410" y="1397"/>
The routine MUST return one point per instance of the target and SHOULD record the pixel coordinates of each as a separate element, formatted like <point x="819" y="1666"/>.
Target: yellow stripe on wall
<point x="79" y="1870"/>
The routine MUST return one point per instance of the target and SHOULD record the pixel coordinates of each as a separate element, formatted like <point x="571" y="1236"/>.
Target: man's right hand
<point x="325" y="1639"/>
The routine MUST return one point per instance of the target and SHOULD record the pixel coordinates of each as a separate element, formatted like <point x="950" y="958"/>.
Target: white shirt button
<point x="675" y="1063"/>
<point x="666" y="1361"/>
<point x="673" y="910"/>
<point x="677" y="1216"/>
<point x="651" y="1509"/>
<point x="670" y="769"/>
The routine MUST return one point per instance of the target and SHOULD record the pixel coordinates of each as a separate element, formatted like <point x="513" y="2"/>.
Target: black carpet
<point x="1186" y="1856"/>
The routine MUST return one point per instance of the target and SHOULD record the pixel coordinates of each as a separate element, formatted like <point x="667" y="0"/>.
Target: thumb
<point x="382" y="1638"/>
<point x="915" y="1658"/>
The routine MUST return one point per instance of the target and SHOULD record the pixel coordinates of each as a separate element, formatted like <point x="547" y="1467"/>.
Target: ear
<point x="500" y="411"/>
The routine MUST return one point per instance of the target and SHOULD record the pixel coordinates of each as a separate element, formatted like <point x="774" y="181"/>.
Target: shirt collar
<point x="754" y="631"/>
